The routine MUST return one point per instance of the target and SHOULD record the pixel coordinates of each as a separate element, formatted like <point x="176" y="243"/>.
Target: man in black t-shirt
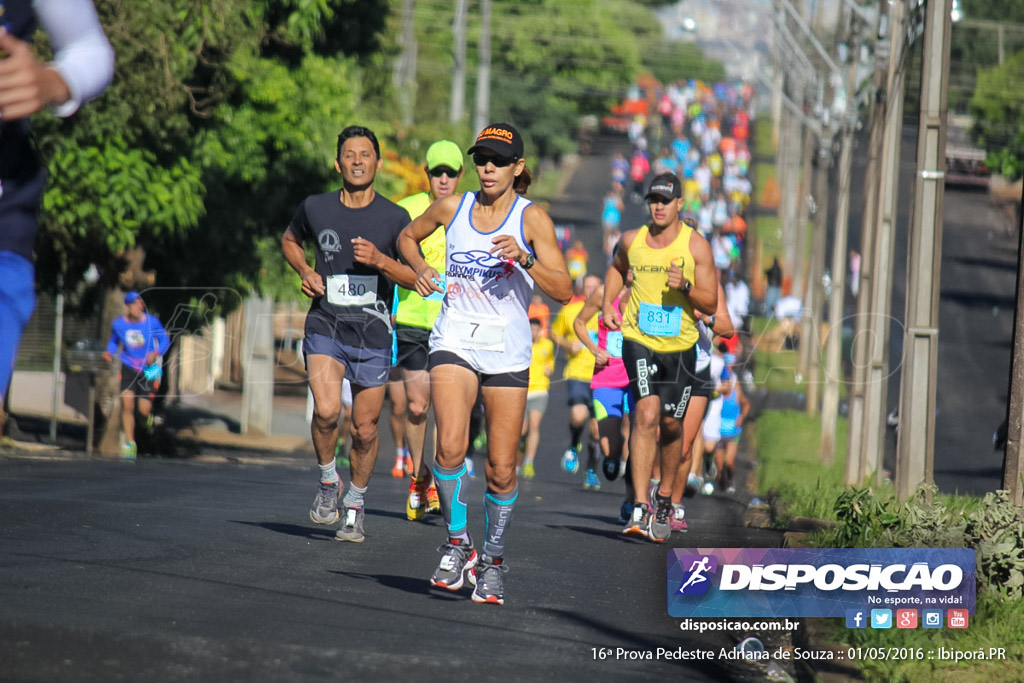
<point x="348" y="328"/>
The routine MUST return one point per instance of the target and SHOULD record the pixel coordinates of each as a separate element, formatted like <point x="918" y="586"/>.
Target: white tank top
<point x="483" y="316"/>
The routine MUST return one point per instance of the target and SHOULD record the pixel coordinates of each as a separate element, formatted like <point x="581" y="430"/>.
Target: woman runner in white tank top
<point x="498" y="245"/>
<point x="483" y="316"/>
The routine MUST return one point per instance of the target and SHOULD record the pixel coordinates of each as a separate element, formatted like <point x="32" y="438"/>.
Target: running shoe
<point x="708" y="489"/>
<point x="660" y="527"/>
<point x="639" y="521"/>
<point x="415" y="504"/>
<point x="398" y="471"/>
<point x="470" y="469"/>
<point x="528" y="471"/>
<point x="325" y="505"/>
<point x="456" y="565"/>
<point x="490" y="584"/>
<point x="571" y="461"/>
<point x="351" y="526"/>
<point x="611" y="467"/>
<point x="591" y="483"/>
<point x="433" y="502"/>
<point x="693" y="484"/>
<point x="625" y="510"/>
<point x="730" y="489"/>
<point x="678" y="519"/>
<point x="129" y="451"/>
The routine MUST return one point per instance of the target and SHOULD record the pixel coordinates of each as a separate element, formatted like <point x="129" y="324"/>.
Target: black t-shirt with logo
<point x="357" y="307"/>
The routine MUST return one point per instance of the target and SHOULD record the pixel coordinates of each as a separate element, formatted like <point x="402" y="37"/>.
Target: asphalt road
<point x="171" y="570"/>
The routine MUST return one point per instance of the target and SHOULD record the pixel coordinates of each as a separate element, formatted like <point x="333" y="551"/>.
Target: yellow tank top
<point x="656" y="316"/>
<point x="412" y="309"/>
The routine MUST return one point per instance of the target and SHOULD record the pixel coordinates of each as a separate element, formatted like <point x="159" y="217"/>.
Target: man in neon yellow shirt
<point x="414" y="318"/>
<point x="579" y="369"/>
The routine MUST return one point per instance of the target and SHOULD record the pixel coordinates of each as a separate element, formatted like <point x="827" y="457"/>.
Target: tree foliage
<point x="998" y="113"/>
<point x="223" y="115"/>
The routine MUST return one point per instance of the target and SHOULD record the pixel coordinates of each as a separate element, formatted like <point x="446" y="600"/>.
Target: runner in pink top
<point x="610" y="388"/>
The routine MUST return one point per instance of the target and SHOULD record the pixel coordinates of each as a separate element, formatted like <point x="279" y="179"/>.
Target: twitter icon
<point x="881" y="618"/>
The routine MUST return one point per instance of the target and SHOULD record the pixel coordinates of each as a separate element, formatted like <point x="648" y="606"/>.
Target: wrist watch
<point x="530" y="260"/>
<point x="711" y="322"/>
<point x="687" y="286"/>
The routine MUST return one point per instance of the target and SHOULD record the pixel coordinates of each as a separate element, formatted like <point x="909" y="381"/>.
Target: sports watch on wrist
<point x="687" y="286"/>
<point x="530" y="260"/>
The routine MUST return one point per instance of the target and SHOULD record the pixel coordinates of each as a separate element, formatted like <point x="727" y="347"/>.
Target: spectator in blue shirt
<point x="142" y="340"/>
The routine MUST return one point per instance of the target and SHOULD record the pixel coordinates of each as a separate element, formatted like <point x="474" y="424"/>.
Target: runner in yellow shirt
<point x="542" y="364"/>
<point x="673" y="278"/>
<point x="579" y="368"/>
<point x="414" y="319"/>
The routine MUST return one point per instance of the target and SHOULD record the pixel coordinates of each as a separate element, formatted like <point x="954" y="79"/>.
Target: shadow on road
<point x="290" y="529"/>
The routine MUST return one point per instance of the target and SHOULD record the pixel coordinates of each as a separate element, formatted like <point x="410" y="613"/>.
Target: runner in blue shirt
<point x="142" y="340"/>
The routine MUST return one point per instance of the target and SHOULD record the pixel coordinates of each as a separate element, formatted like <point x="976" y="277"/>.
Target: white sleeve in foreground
<point x="83" y="55"/>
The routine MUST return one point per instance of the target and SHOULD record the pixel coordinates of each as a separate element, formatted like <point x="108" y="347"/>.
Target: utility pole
<point x="1013" y="462"/>
<point x="876" y="322"/>
<point x="810" y="342"/>
<point x="483" y="73"/>
<point x="915" y="446"/>
<point x="803" y="212"/>
<point x="405" y="66"/>
<point x="856" y="470"/>
<point x="457" y="107"/>
<point x="834" y="341"/>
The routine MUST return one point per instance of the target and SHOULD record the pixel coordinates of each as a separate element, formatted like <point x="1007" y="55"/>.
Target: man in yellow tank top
<point x="673" y="276"/>
<point x="414" y="318"/>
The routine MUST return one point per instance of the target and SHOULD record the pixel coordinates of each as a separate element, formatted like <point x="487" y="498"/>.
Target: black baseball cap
<point x="665" y="185"/>
<point x="502" y="139"/>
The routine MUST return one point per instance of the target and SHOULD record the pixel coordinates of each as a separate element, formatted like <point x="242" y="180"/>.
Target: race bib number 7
<point x="477" y="332"/>
<point x="352" y="290"/>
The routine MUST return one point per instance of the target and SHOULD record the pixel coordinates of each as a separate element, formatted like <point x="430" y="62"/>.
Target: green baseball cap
<point x="444" y="153"/>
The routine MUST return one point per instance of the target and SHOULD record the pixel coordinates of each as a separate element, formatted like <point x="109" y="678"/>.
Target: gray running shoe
<point x="351" y="525"/>
<point x="456" y="565"/>
<point x="490" y="584"/>
<point x="661" y="524"/>
<point x="325" y="506"/>
<point x="639" y="521"/>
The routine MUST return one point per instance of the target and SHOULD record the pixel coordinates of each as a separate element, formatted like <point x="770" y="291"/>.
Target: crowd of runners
<point x="443" y="300"/>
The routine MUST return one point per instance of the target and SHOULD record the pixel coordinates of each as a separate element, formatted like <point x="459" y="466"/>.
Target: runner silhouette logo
<point x="697" y="578"/>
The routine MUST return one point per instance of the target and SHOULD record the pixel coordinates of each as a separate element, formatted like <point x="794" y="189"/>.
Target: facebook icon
<point x="856" y="618"/>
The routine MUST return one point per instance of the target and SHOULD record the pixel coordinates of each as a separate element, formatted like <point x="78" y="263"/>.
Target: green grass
<point x="545" y="185"/>
<point x="787" y="449"/>
<point x="763" y="146"/>
<point x="762" y="173"/>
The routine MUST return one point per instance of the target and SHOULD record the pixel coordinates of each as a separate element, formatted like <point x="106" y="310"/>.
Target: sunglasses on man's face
<point x="442" y="171"/>
<point x="500" y="162"/>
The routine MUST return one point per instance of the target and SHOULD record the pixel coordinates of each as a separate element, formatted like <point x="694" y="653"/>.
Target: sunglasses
<point x="442" y="171"/>
<point x="500" y="162"/>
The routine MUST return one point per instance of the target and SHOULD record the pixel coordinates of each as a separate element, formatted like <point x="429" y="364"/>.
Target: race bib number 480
<point x="352" y="290"/>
